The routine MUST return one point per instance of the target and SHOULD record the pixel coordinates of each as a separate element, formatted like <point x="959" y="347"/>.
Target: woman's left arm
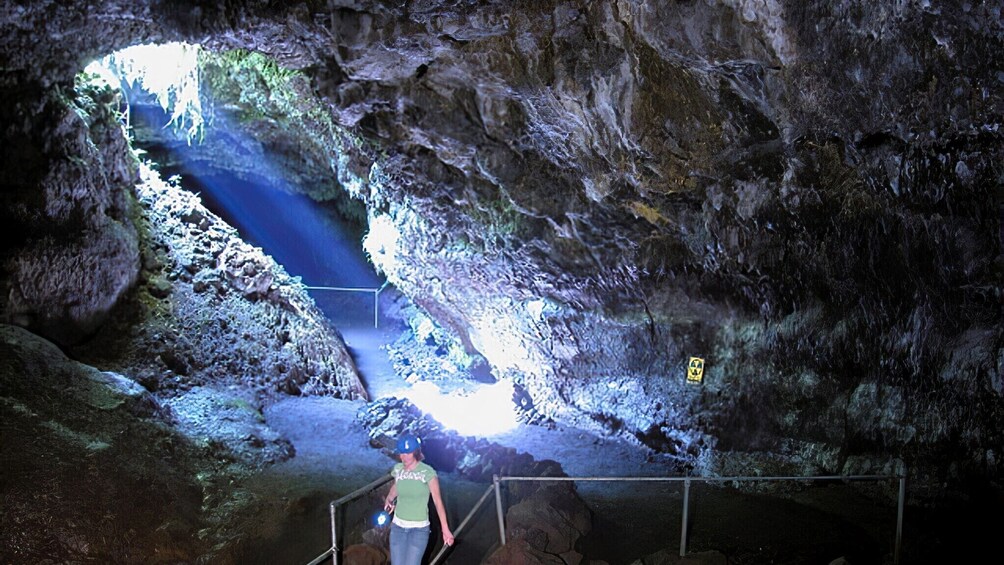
<point x="437" y="499"/>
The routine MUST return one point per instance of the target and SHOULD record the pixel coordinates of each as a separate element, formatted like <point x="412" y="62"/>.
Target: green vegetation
<point x="258" y="88"/>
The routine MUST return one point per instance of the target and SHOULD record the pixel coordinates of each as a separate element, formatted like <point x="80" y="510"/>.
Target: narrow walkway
<point x="580" y="452"/>
<point x="367" y="346"/>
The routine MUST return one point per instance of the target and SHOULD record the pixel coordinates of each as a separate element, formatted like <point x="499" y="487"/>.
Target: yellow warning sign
<point x="695" y="370"/>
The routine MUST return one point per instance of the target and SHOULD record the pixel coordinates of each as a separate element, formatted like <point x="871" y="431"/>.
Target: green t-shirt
<point x="413" y="491"/>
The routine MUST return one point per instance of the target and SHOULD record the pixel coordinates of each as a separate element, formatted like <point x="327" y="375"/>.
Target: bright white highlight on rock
<point x="169" y="71"/>
<point x="487" y="411"/>
<point x="381" y="244"/>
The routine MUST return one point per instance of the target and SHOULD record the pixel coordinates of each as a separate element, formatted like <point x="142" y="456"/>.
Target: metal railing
<point x="686" y="495"/>
<point x="332" y="551"/>
<point x="376" y="296"/>
<point x="497" y="482"/>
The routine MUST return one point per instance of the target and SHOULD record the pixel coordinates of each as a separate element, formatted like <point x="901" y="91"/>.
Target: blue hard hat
<point x="408" y="444"/>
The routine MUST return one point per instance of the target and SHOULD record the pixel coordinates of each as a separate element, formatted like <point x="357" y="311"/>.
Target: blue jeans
<point x="407" y="545"/>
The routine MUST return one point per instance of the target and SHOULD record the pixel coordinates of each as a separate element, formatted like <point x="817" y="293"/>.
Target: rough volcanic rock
<point x="806" y="195"/>
<point x="72" y="247"/>
<point x="213" y="309"/>
<point x="550" y="520"/>
<point x="92" y="469"/>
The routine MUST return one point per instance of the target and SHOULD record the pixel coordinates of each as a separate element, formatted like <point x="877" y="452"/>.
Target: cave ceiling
<point x="806" y="195"/>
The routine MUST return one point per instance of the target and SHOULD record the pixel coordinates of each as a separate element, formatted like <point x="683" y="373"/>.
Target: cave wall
<point x="125" y="270"/>
<point x="74" y="250"/>
<point x="807" y="195"/>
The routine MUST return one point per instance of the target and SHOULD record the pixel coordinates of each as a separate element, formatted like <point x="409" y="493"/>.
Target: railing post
<point x="463" y="524"/>
<point x="334" y="535"/>
<point x="683" y="526"/>
<point x="899" y="519"/>
<point x="498" y="508"/>
<point x="685" y="522"/>
<point x="376" y="304"/>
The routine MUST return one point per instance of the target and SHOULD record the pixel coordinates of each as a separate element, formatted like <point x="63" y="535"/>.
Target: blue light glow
<point x="311" y="242"/>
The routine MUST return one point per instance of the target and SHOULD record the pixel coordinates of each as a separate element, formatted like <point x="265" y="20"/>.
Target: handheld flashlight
<point x="381" y="519"/>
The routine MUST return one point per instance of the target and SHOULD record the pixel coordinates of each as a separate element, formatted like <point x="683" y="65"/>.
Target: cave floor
<point x="631" y="520"/>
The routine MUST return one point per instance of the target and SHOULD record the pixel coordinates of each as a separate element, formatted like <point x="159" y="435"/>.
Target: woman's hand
<point x="388" y="505"/>
<point x="448" y="538"/>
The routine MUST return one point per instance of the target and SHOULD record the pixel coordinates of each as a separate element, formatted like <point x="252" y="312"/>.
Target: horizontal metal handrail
<point x="343" y="288"/>
<point x="376" y="296"/>
<point x="332" y="551"/>
<point x="712" y="479"/>
<point x="686" y="495"/>
<point x="497" y="481"/>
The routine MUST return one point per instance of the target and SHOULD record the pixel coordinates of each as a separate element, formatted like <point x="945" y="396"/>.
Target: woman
<point x="408" y="499"/>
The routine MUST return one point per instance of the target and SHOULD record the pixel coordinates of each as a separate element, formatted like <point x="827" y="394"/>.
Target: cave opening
<point x="312" y="240"/>
<point x="203" y="136"/>
<point x="328" y="242"/>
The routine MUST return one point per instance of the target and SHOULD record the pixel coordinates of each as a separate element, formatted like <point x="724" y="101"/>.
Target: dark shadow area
<point x="632" y="520"/>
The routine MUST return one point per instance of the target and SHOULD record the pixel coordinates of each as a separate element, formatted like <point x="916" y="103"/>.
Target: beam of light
<point x="487" y="411"/>
<point x="291" y="228"/>
<point x="307" y="240"/>
<point x="169" y="71"/>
